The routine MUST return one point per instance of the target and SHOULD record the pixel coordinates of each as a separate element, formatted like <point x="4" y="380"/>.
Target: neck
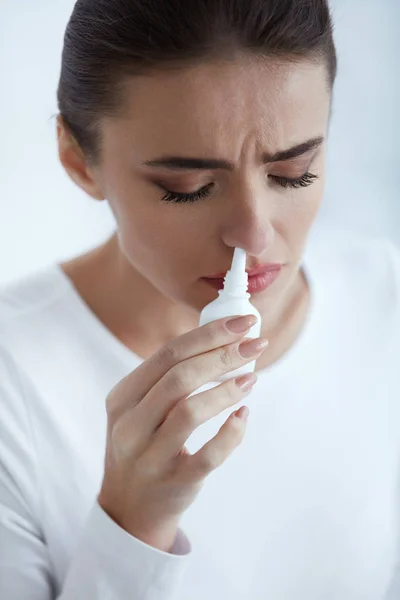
<point x="126" y="302"/>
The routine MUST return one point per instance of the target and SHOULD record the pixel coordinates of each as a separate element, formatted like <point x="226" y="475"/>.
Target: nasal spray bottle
<point x="234" y="300"/>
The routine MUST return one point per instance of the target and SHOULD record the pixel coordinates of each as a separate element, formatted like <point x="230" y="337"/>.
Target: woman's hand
<point x="150" y="478"/>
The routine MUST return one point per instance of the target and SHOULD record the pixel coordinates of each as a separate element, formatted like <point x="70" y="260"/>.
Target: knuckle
<point x="117" y="398"/>
<point x="112" y="405"/>
<point x="118" y="437"/>
<point x="168" y="354"/>
<point x="209" y="462"/>
<point x="237" y="433"/>
<point x="188" y="413"/>
<point x="226" y="356"/>
<point x="213" y="331"/>
<point x="178" y="379"/>
<point x="232" y="391"/>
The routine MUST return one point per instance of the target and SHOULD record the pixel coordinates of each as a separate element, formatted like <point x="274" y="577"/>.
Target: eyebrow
<point x="178" y="163"/>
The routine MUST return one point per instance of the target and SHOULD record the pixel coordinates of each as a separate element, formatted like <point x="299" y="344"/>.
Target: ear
<point x="74" y="162"/>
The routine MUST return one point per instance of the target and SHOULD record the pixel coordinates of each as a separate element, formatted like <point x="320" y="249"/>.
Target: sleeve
<point x="109" y="563"/>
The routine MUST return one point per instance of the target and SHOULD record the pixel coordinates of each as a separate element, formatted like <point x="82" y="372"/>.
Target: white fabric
<point x="307" y="508"/>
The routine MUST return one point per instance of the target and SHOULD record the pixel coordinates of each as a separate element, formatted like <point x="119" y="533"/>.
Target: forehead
<point x="215" y="107"/>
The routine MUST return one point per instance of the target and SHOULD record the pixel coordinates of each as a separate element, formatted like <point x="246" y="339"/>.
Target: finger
<point x="213" y="454"/>
<point x="218" y="333"/>
<point x="192" y="412"/>
<point x="186" y="377"/>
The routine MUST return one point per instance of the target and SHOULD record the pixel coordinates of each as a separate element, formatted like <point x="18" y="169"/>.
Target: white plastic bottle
<point x="234" y="300"/>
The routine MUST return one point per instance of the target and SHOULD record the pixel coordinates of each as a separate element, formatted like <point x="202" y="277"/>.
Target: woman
<point x="204" y="125"/>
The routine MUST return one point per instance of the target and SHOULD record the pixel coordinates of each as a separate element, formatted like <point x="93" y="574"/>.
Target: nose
<point x="249" y="226"/>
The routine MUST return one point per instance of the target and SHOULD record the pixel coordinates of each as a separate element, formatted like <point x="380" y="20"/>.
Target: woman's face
<point x="235" y="118"/>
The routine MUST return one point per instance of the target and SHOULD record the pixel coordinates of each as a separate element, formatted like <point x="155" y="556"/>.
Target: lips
<point x="260" y="278"/>
<point x="252" y="272"/>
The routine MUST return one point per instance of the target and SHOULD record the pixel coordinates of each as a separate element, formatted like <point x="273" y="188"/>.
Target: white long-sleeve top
<point x="307" y="508"/>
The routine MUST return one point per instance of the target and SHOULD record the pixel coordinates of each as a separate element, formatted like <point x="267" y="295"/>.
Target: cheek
<point x="301" y="206"/>
<point x="144" y="221"/>
<point x="297" y="212"/>
<point x="159" y="241"/>
<point x="145" y="236"/>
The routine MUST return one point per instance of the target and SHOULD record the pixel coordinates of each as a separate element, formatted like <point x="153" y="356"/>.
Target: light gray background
<point x="44" y="217"/>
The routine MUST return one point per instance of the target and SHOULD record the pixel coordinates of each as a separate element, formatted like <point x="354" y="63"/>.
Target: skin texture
<point x="144" y="282"/>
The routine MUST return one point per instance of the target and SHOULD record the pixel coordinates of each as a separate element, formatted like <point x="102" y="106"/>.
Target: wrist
<point x="161" y="536"/>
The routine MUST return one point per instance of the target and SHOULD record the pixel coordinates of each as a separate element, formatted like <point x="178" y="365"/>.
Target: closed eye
<point x="303" y="181"/>
<point x="284" y="182"/>
<point x="203" y="192"/>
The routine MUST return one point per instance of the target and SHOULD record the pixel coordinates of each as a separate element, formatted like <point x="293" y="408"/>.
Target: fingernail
<point x="242" y="413"/>
<point x="253" y="348"/>
<point x="246" y="382"/>
<point x="240" y="324"/>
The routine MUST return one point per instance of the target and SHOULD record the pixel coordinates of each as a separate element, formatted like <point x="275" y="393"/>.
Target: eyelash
<point x="177" y="197"/>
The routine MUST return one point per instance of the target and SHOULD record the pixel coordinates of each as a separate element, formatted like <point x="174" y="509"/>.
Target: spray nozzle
<point x="239" y="261"/>
<point x="236" y="280"/>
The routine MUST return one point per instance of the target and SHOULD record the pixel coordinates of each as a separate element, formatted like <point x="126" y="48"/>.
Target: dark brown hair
<point x="107" y="41"/>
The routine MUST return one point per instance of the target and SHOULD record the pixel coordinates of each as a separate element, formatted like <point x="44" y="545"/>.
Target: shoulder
<point x="12" y="389"/>
<point x="357" y="278"/>
<point x="359" y="248"/>
<point x="26" y="300"/>
<point x="369" y="263"/>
